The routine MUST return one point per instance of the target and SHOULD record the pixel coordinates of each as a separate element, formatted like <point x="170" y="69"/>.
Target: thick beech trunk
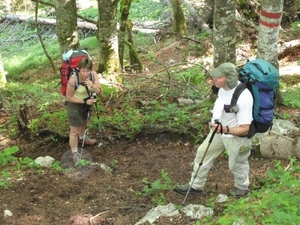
<point x="108" y="37"/>
<point x="224" y="32"/>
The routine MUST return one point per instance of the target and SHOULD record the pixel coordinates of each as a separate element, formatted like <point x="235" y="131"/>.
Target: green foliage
<point x="143" y="39"/>
<point x="53" y="120"/>
<point x="82" y="163"/>
<point x="157" y="187"/>
<point x="4" y="180"/>
<point x="295" y="27"/>
<point x="275" y="203"/>
<point x="7" y="156"/>
<point x="30" y="56"/>
<point x="290" y="95"/>
<point x="286" y="115"/>
<point x="57" y="166"/>
<point x="114" y="164"/>
<point x="12" y="163"/>
<point x="92" y="45"/>
<point x="90" y="13"/>
<point x="128" y="120"/>
<point x="27" y="162"/>
<point x="146" y="10"/>
<point x="245" y="6"/>
<point x="16" y="60"/>
<point x="193" y="75"/>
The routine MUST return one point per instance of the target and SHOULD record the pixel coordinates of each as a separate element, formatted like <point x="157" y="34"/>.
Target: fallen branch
<point x="93" y="217"/>
<point x="52" y="22"/>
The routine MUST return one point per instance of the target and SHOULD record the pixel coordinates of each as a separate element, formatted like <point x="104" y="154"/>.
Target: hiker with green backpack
<point x="229" y="131"/>
<point x="244" y="107"/>
<point x="82" y="87"/>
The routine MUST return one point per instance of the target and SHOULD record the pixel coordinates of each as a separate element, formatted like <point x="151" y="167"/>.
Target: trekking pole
<point x="217" y="175"/>
<point x="99" y="124"/>
<point x="201" y="162"/>
<point x="85" y="130"/>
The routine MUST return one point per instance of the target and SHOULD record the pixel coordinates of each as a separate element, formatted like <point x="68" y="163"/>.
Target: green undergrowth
<point x="13" y="167"/>
<point x="30" y="90"/>
<point x="276" y="202"/>
<point x="290" y="91"/>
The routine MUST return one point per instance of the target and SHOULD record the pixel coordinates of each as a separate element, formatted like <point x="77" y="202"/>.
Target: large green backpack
<point x="262" y="79"/>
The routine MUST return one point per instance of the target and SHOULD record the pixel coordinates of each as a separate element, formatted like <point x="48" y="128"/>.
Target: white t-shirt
<point x="244" y="103"/>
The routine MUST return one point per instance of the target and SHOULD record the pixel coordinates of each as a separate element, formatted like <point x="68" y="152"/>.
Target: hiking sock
<point x="74" y="151"/>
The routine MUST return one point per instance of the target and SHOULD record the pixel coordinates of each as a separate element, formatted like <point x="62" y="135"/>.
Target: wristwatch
<point x="227" y="130"/>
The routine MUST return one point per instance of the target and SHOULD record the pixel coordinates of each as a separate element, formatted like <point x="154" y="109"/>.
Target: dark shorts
<point x="77" y="113"/>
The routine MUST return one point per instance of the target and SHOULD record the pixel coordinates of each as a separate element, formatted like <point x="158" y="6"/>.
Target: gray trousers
<point x="238" y="149"/>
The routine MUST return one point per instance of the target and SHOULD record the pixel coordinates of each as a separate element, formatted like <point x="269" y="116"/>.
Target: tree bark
<point x="178" y="16"/>
<point x="269" y="26"/>
<point x="66" y="23"/>
<point x="125" y="7"/>
<point x="224" y="32"/>
<point x="134" y="56"/>
<point x="108" y="37"/>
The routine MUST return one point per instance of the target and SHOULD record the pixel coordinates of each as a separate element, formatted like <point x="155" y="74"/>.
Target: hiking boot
<point x="236" y="192"/>
<point x="75" y="157"/>
<point x="183" y="189"/>
<point x="88" y="141"/>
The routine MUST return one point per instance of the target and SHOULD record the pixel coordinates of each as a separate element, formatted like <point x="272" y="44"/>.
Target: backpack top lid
<point x="261" y="70"/>
<point x="71" y="53"/>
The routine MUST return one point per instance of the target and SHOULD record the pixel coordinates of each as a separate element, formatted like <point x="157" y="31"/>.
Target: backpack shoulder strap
<point x="237" y="92"/>
<point x="74" y="73"/>
<point x="76" y="77"/>
<point x="92" y="77"/>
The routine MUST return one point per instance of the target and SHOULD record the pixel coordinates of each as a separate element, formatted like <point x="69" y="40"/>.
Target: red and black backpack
<point x="70" y="63"/>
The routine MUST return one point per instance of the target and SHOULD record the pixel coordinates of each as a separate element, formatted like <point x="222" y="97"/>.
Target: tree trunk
<point x="135" y="62"/>
<point x="269" y="26"/>
<point x="125" y="7"/>
<point x="108" y="37"/>
<point x="66" y="22"/>
<point x="178" y="16"/>
<point x="224" y="32"/>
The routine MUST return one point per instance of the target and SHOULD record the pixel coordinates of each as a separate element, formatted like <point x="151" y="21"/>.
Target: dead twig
<point x="93" y="217"/>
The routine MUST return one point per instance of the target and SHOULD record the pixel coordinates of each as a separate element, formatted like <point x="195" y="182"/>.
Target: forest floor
<point x="93" y="195"/>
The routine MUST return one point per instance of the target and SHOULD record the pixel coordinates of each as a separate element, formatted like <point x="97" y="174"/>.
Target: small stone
<point x="7" y="213"/>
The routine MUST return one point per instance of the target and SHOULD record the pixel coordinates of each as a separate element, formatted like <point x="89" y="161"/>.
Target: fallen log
<point x="45" y="21"/>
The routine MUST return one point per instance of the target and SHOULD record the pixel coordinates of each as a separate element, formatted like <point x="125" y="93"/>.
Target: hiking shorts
<point x="77" y="113"/>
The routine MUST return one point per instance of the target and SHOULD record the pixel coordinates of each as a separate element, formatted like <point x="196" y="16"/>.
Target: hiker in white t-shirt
<point x="230" y="135"/>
